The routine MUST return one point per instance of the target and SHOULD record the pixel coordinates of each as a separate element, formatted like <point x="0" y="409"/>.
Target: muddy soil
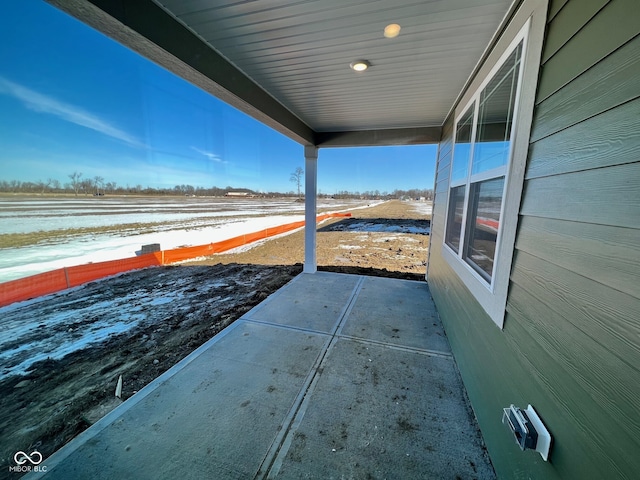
<point x="58" y="398"/>
<point x="171" y="311"/>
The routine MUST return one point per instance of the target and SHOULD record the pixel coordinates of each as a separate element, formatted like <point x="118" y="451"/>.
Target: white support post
<point x="310" y="194"/>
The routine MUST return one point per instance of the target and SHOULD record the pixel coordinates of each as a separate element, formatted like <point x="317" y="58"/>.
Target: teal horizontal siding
<point x="571" y="339"/>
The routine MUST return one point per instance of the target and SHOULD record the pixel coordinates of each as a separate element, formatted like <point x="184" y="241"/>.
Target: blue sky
<point x="71" y="100"/>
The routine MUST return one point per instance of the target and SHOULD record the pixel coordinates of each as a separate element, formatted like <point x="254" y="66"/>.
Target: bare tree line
<point x="97" y="186"/>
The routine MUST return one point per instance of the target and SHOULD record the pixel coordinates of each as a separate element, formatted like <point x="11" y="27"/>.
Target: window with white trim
<point x="481" y="155"/>
<point x="483" y="197"/>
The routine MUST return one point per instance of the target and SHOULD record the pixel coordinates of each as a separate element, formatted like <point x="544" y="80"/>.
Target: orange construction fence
<point x="63" y="278"/>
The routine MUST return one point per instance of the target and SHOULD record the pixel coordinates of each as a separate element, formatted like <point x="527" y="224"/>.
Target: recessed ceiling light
<point x="392" y="30"/>
<point x="360" y="65"/>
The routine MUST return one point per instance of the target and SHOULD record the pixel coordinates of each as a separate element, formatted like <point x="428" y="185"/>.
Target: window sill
<point x="492" y="302"/>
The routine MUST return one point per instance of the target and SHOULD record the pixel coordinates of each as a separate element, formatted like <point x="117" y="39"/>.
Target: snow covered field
<point x="80" y="230"/>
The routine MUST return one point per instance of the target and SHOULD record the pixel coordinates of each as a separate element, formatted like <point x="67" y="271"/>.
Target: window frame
<point x="471" y="178"/>
<point x="527" y="26"/>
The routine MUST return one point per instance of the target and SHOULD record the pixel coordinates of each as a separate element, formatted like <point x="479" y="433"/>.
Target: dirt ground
<point x="390" y="239"/>
<point x="139" y="324"/>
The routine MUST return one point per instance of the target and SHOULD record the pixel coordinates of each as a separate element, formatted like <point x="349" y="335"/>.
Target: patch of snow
<point x="53" y="326"/>
<point x="365" y="226"/>
<point x="423" y="208"/>
<point x="395" y="237"/>
<point x="55" y="344"/>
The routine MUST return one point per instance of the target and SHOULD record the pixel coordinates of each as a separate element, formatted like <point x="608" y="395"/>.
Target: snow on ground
<point x="387" y="227"/>
<point x="75" y="319"/>
<point x="24" y="215"/>
<point x="391" y="239"/>
<point x="95" y="248"/>
<point x="172" y="223"/>
<point x="423" y="208"/>
<point x="55" y="334"/>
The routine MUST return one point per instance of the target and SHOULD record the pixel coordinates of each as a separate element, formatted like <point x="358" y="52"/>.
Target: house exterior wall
<point x="570" y="345"/>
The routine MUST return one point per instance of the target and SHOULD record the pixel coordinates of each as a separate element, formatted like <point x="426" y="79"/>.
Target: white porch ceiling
<point x="300" y="51"/>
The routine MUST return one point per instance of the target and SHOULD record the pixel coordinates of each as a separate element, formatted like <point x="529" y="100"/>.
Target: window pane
<point x="462" y="149"/>
<point x="485" y="201"/>
<point x="454" y="219"/>
<point x="495" y="116"/>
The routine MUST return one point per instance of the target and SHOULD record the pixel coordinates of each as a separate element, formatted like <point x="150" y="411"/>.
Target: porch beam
<point x="379" y="138"/>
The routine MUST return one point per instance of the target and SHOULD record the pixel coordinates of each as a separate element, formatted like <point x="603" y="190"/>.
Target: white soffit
<point x="299" y="52"/>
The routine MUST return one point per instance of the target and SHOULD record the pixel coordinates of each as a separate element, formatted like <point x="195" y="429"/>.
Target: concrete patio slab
<point x="315" y="302"/>
<point x="298" y="390"/>
<point x="407" y="316"/>
<point x="377" y="412"/>
<point x="216" y="417"/>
